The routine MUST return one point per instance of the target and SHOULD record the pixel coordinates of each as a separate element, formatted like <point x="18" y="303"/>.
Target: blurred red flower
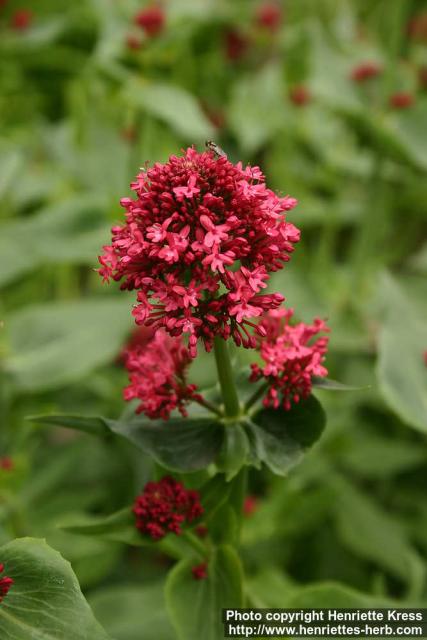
<point x="300" y="96"/>
<point x="401" y="100"/>
<point x="152" y="20"/>
<point x="21" y="19"/>
<point x="269" y="15"/>
<point x="365" y="71"/>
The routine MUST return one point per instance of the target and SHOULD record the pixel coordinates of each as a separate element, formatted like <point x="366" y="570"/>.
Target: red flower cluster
<point x="365" y="71"/>
<point x="164" y="507"/>
<point x="198" y="244"/>
<point x="401" y="100"/>
<point x="5" y="584"/>
<point x="21" y="19"/>
<point x="269" y="16"/>
<point x="200" y="571"/>
<point x="300" y="96"/>
<point x="152" y="20"/>
<point x="291" y="358"/>
<point x="157" y="374"/>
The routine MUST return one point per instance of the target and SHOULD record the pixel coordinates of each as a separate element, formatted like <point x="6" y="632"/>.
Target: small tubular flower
<point x="164" y="507"/>
<point x="292" y="355"/>
<point x="157" y="375"/>
<point x="5" y="584"/>
<point x="198" y="244"/>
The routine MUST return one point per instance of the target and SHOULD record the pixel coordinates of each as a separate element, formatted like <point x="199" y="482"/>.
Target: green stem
<point x="256" y="396"/>
<point x="237" y="495"/>
<point x="208" y="405"/>
<point x="195" y="543"/>
<point x="226" y="378"/>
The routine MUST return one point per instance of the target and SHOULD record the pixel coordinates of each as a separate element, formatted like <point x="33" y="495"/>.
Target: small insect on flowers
<point x="216" y="149"/>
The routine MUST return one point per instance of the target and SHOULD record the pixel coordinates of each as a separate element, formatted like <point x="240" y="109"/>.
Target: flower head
<point x="21" y="19"/>
<point x="401" y="100"/>
<point x="164" y="507"/>
<point x="152" y="20"/>
<point x="5" y="584"/>
<point x="200" y="571"/>
<point x="292" y="355"/>
<point x="269" y="15"/>
<point x="157" y="375"/>
<point x="365" y="71"/>
<point x="198" y="244"/>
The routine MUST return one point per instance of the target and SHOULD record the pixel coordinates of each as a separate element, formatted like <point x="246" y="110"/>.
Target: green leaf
<point x="45" y="601"/>
<point x="401" y="368"/>
<point x="54" y="344"/>
<point x="195" y="606"/>
<point x="180" y="444"/>
<point x="131" y="611"/>
<point x="362" y="524"/>
<point x="173" y="105"/>
<point x="214" y="493"/>
<point x="234" y="451"/>
<point x="331" y="594"/>
<point x="334" y="385"/>
<point x="224" y="525"/>
<point x="120" y="527"/>
<point x="280" y="438"/>
<point x="93" y="426"/>
<point x="409" y="128"/>
<point x="253" y="97"/>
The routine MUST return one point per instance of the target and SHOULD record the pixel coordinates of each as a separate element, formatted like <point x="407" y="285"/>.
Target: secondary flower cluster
<point x="292" y="355"/>
<point x="157" y="374"/>
<point x="5" y="584"/>
<point x="198" y="244"/>
<point x="164" y="507"/>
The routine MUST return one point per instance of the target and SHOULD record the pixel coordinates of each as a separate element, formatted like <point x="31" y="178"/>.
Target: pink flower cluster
<point x="5" y="584"/>
<point x="198" y="244"/>
<point x="164" y="507"/>
<point x="292" y="357"/>
<point x="157" y="374"/>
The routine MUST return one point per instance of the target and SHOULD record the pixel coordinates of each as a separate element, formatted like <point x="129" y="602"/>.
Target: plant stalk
<point x="226" y="378"/>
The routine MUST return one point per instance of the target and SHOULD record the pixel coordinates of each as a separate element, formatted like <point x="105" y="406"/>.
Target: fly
<point x="212" y="146"/>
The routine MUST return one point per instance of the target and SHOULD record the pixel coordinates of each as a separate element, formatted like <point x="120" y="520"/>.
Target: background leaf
<point x="45" y="600"/>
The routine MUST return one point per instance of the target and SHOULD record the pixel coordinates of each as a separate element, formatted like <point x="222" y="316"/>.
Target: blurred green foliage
<point x="85" y="99"/>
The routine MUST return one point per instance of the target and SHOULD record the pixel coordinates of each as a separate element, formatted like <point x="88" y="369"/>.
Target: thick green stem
<point x="226" y="378"/>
